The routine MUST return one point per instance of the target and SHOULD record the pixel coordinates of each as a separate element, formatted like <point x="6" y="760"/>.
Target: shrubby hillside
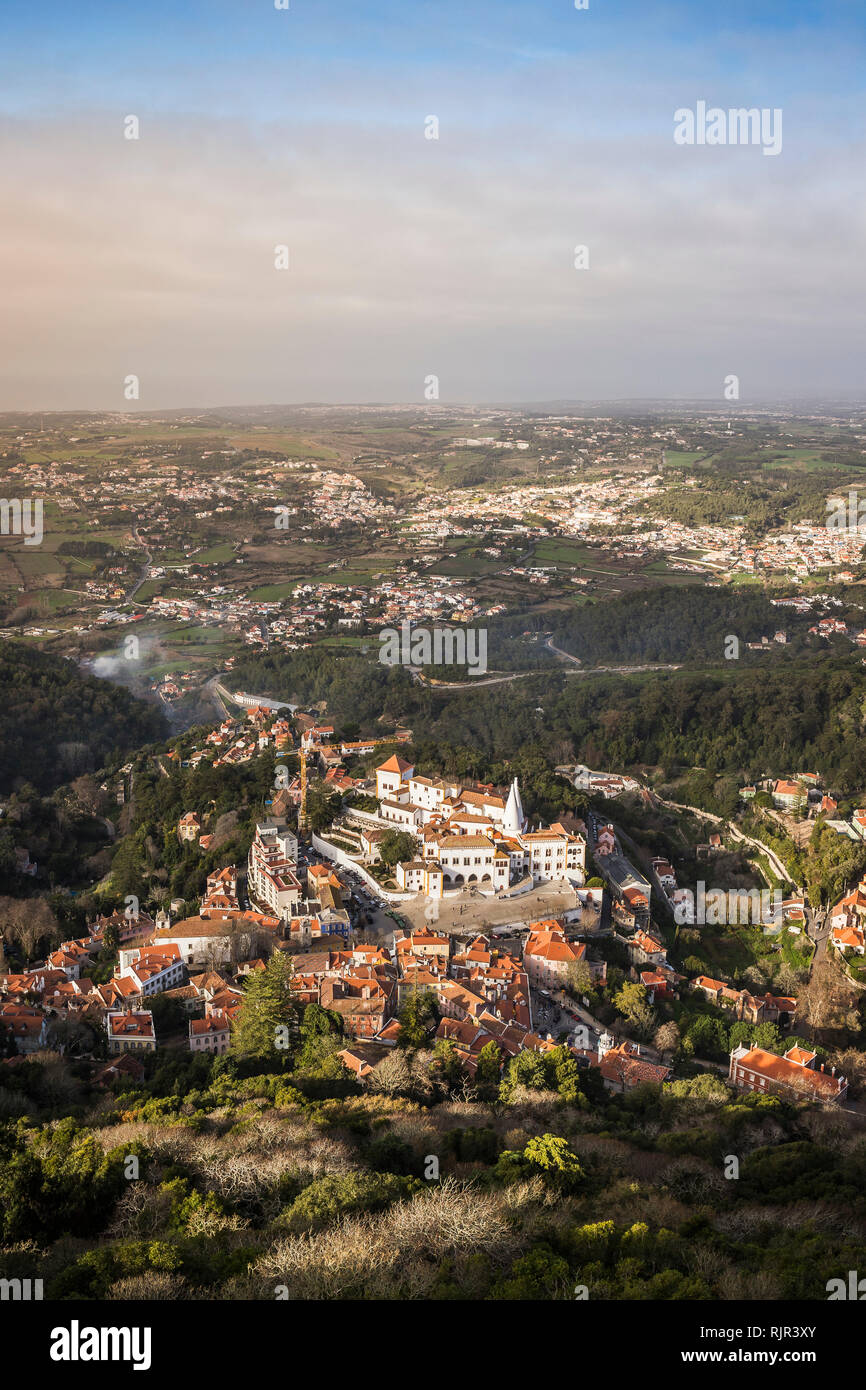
<point x="290" y="1184"/>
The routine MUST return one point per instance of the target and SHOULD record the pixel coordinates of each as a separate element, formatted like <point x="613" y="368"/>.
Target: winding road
<point x="734" y="831"/>
<point x="546" y="671"/>
<point x="130" y="597"/>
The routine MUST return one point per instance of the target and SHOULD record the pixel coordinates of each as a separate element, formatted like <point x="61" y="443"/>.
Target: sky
<point x="412" y="259"/>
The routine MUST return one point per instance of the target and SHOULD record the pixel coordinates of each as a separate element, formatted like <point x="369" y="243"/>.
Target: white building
<point x="210" y="1034"/>
<point x="553" y="854"/>
<point x="207" y="941"/>
<point x="391" y="776"/>
<point x="420" y="876"/>
<point x="472" y="859"/>
<point x="409" y="800"/>
<point x="472" y="837"/>
<point x="271" y="868"/>
<point x="151" y="968"/>
<point x="130" y="1032"/>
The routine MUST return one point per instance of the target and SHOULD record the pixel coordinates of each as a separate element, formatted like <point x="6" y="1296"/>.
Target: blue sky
<point x="408" y="256"/>
<point x="222" y="56"/>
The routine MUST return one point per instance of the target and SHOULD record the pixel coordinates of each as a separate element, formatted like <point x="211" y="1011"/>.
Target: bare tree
<point x="392" y="1075"/>
<point x="667" y="1039"/>
<point x="756" y="978"/>
<point x="589" y="918"/>
<point x="787" y="979"/>
<point x="827" y="1000"/>
<point x="579" y="976"/>
<point x="26" y="921"/>
<point x="851" y="1063"/>
<point x="88" y="795"/>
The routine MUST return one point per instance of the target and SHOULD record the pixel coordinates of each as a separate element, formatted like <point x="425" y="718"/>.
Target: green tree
<point x="415" y="1017"/>
<point x="766" y="1035"/>
<point x="540" y="1274"/>
<point x="550" y="1154"/>
<point x="633" y="1004"/>
<point x="489" y="1065"/>
<point x="321" y="1040"/>
<point x="708" y="1036"/>
<point x="336" y="1194"/>
<point x="527" y="1070"/>
<point x="322" y="804"/>
<point x="565" y="1073"/>
<point x="396" y="846"/>
<point x="267" y="1013"/>
<point x="447" y="1063"/>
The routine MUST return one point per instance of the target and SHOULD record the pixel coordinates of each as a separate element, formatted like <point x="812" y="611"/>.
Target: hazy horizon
<point x="695" y="404"/>
<point x="411" y="257"/>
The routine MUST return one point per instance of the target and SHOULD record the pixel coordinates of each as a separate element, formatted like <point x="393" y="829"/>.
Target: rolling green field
<point x="215" y="555"/>
<point x="677" y="458"/>
<point x="808" y="460"/>
<point x="555" y="552"/>
<point x="272" y="593"/>
<point x="149" y="589"/>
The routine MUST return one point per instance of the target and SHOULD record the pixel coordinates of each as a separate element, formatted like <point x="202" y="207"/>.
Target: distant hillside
<point x="666" y="624"/>
<point x="56" y="723"/>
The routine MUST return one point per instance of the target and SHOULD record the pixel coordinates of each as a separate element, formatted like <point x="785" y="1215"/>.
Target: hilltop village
<point x="432" y="887"/>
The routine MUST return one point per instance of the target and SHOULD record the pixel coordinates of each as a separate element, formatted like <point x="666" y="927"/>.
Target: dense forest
<point x="789" y="713"/>
<point x="750" y="723"/>
<point x="712" y="502"/>
<point x="56" y="723"/>
<point x="356" y="686"/>
<point x="150" y="862"/>
<point x="667" y="625"/>
<point x="728" y="483"/>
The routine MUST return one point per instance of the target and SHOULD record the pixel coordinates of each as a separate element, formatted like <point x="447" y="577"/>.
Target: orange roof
<point x="394" y="764"/>
<point x="623" y="1066"/>
<point x="634" y="895"/>
<point x="704" y="982"/>
<point x="647" y="942"/>
<point x="464" y="842"/>
<point x="552" y="945"/>
<point x="216" y="1022"/>
<point x="849" y="936"/>
<point x="789" y="1072"/>
<point x="138" y="1025"/>
<point x="652" y="977"/>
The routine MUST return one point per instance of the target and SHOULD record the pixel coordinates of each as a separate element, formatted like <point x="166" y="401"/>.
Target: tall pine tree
<point x="267" y="1014"/>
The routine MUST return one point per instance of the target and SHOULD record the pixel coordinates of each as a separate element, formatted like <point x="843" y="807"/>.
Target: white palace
<point x="471" y="835"/>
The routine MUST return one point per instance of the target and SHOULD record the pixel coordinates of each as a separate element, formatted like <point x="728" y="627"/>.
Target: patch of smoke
<point x="115" y="666"/>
